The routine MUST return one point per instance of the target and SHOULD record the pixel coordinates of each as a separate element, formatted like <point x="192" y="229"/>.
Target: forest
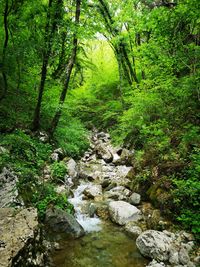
<point x="129" y="68"/>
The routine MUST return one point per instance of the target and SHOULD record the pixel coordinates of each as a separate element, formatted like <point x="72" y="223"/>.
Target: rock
<point x="17" y="228"/>
<point x="197" y="260"/>
<point x="60" y="152"/>
<point x="91" y="171"/>
<point x="132" y="229"/>
<point x="63" y="223"/>
<point x="154" y="244"/>
<point x="183" y="256"/>
<point x="103" y="152"/>
<point x="3" y="150"/>
<point x="54" y="157"/>
<point x="93" y="191"/>
<point x="92" y="209"/>
<point x="125" y="157"/>
<point x="122" y="175"/>
<point x="105" y="183"/>
<point x="72" y="168"/>
<point x="8" y="189"/>
<point x="122" y="212"/>
<point x="43" y="137"/>
<point x="174" y="257"/>
<point x="116" y="157"/>
<point x="135" y="199"/>
<point x="118" y="193"/>
<point x="156" y="264"/>
<point x="63" y="189"/>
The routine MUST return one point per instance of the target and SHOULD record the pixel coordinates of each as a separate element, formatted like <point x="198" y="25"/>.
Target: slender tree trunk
<point x="46" y="55"/>
<point x="5" y="20"/>
<point x="121" y="47"/>
<point x="69" y="69"/>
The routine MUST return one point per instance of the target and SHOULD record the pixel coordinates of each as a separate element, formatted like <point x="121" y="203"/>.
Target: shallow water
<point x="110" y="247"/>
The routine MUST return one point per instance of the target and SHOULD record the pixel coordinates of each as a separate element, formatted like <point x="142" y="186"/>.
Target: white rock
<point x="72" y="168"/>
<point x="156" y="264"/>
<point x="154" y="244"/>
<point x="183" y="256"/>
<point x="122" y="212"/>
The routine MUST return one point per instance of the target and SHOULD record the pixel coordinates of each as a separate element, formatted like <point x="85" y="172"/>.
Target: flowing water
<point x="104" y="245"/>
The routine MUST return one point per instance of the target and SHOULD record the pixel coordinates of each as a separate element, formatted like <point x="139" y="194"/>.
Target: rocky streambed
<point x="119" y="228"/>
<point x="111" y="226"/>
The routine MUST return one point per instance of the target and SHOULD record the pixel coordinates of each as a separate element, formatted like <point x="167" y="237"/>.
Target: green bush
<point x="72" y="137"/>
<point x="58" y="171"/>
<point x="46" y="196"/>
<point x="187" y="195"/>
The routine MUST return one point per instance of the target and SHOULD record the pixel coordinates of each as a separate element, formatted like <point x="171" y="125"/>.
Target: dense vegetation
<point x="130" y="67"/>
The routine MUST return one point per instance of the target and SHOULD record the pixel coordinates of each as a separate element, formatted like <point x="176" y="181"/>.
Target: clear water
<point x="110" y="247"/>
<point x="104" y="245"/>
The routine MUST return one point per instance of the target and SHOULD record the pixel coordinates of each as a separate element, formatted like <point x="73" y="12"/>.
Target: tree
<point x="68" y="71"/>
<point x="51" y="25"/>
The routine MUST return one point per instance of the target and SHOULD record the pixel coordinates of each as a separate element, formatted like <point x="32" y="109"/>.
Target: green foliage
<point x="25" y="152"/>
<point x="72" y="137"/>
<point x="187" y="195"/>
<point x="58" y="171"/>
<point x="46" y="196"/>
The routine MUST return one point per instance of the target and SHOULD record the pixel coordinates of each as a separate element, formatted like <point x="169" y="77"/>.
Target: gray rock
<point x="122" y="212"/>
<point x="63" y="223"/>
<point x="8" y="189"/>
<point x="54" y="156"/>
<point x="72" y="168"/>
<point x="174" y="257"/>
<point x="135" y="199"/>
<point x="103" y="152"/>
<point x="132" y="229"/>
<point x="183" y="256"/>
<point x="118" y="193"/>
<point x="43" y="136"/>
<point x="154" y="244"/>
<point x="156" y="264"/>
<point x="17" y="228"/>
<point x="93" y="191"/>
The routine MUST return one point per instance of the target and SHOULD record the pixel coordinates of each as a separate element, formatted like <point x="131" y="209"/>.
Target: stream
<point x="105" y="244"/>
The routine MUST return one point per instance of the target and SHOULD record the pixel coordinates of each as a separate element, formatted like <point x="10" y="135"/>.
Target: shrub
<point x="46" y="196"/>
<point x="58" y="171"/>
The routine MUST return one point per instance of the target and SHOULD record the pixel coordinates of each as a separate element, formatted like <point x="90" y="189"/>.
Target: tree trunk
<point x="49" y="33"/>
<point x="5" y="19"/>
<point x="69" y="68"/>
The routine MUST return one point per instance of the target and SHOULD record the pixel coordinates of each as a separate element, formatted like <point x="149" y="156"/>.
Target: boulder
<point x="8" y="189"/>
<point x="183" y="256"/>
<point x="62" y="222"/>
<point x="154" y="244"/>
<point x="156" y="264"/>
<point x="91" y="170"/>
<point x="60" y="152"/>
<point x="118" y="193"/>
<point x="54" y="157"/>
<point x="132" y="229"/>
<point x="122" y="175"/>
<point x="125" y="157"/>
<point x="103" y="152"/>
<point x="72" y="168"/>
<point x="93" y="191"/>
<point x="122" y="212"/>
<point x="17" y="229"/>
<point x="135" y="199"/>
